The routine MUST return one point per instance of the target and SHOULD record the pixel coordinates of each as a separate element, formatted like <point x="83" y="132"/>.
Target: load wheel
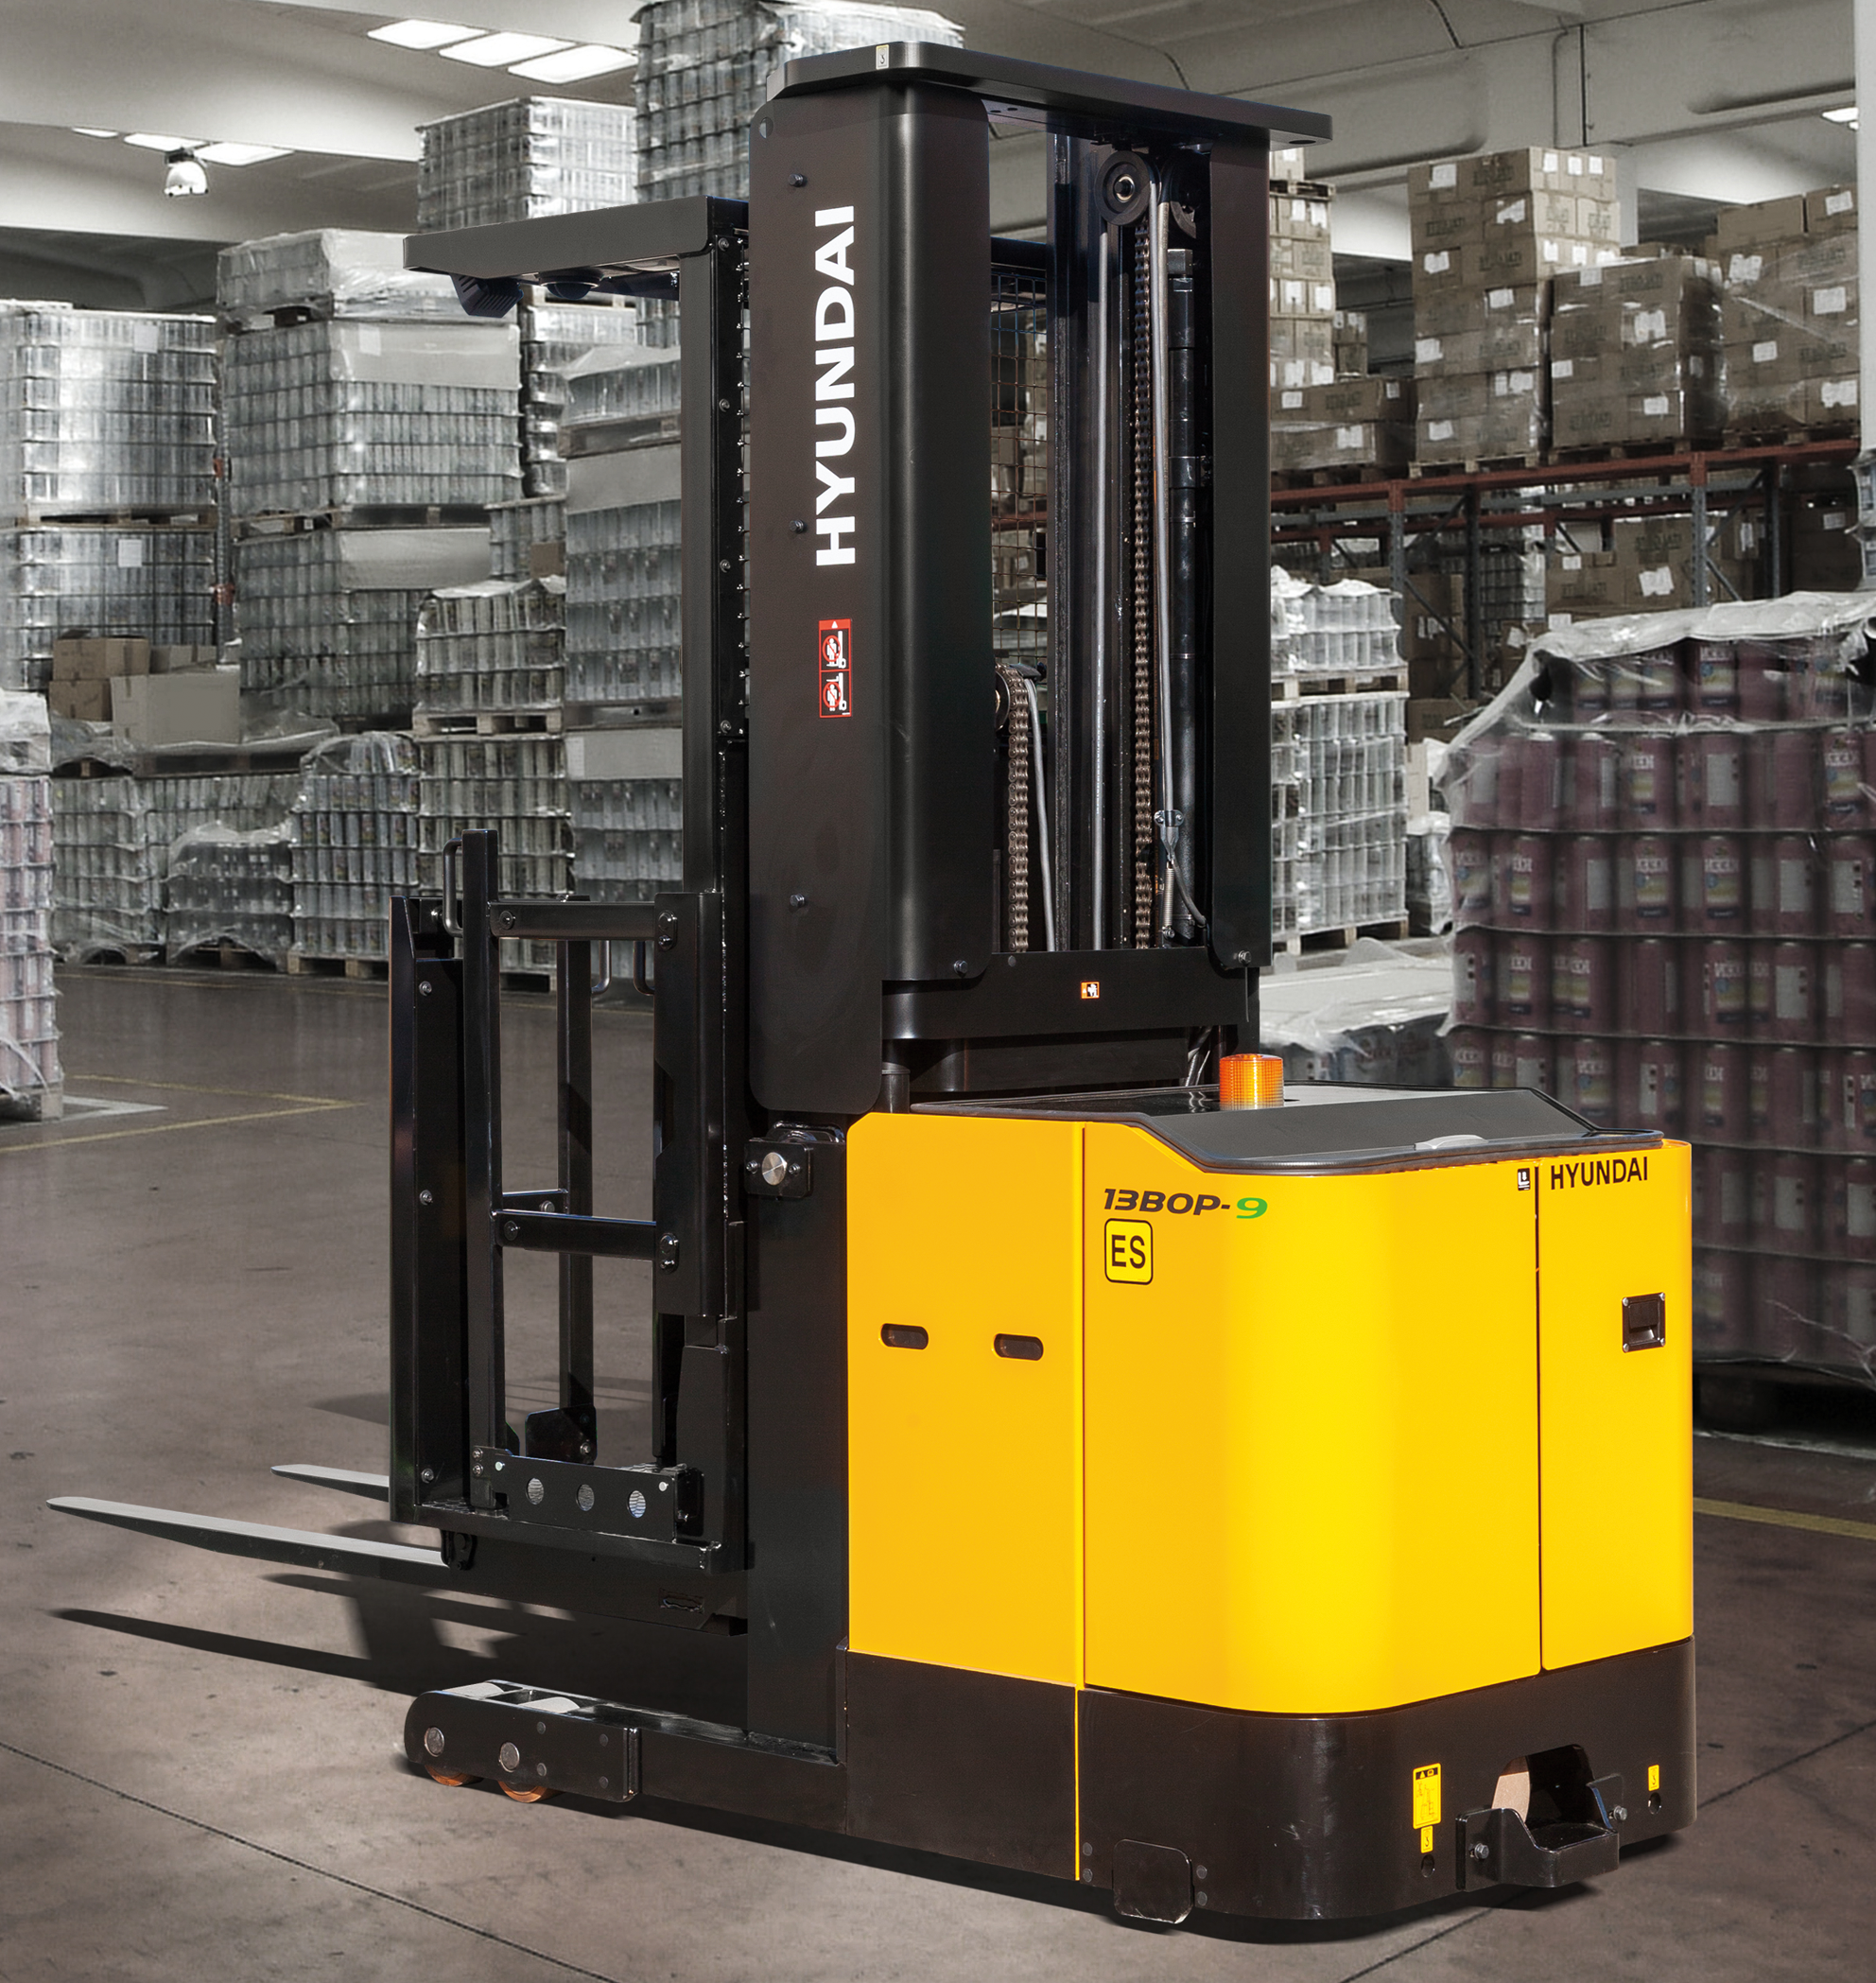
<point x="523" y="1795"/>
<point x="453" y="1779"/>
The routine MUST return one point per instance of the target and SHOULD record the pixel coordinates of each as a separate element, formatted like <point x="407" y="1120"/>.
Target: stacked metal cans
<point x="1665" y="880"/>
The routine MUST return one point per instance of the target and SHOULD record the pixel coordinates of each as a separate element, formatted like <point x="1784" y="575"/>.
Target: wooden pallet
<point x="1345" y="476"/>
<point x="1622" y="452"/>
<point x="1298" y="944"/>
<point x="1482" y="464"/>
<point x="206" y="762"/>
<point x="1294" y="689"/>
<point x="365" y="516"/>
<point x="133" y="516"/>
<point x="369" y="970"/>
<point x="1791" y="436"/>
<point x="223" y="956"/>
<point x="487" y="723"/>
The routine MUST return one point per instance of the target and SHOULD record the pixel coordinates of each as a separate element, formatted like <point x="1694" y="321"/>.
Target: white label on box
<point x="1515" y="384"/>
<point x="1590" y="278"/>
<point x="1318" y="212"/>
<point x="1391" y="390"/>
<point x="1765" y="352"/>
<point x="371" y="340"/>
<point x="1552" y="251"/>
<point x="1324" y="294"/>
<point x="129" y="553"/>
<point x="1551" y="163"/>
<point x="1838" y="391"/>
<point x="1839" y="203"/>
<point x="144" y="337"/>
<point x="1651" y="326"/>
<point x="1746" y="268"/>
<point x="1654" y="406"/>
<point x="1500" y="299"/>
<point x="1292" y="372"/>
<point x="1572" y="561"/>
<point x="1428" y="351"/>
<point x="1437" y="263"/>
<point x="1512" y="214"/>
<point x="1563" y="368"/>
<point x="1439" y="431"/>
<point x="1657" y="583"/>
<point x="1596" y="163"/>
<point x="1348" y="437"/>
<point x="1830" y="303"/>
<point x="1443" y="175"/>
<point x="1292" y="401"/>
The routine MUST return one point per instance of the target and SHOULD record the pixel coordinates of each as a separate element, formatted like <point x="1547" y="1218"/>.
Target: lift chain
<point x="1141" y="383"/>
<point x="1016" y="856"/>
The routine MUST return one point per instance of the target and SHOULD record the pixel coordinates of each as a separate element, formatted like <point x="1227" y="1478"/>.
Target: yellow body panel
<point x="963" y="1466"/>
<point x="1311" y="1437"/>
<point x="1616" y="1426"/>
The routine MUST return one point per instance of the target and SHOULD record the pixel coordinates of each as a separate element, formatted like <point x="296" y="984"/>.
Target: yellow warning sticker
<point x="1427" y="1839"/>
<point x="1654" y="1778"/>
<point x="1426" y="1799"/>
<point x="1126" y="1249"/>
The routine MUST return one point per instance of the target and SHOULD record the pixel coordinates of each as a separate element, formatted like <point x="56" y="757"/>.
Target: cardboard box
<point x="1830" y="210"/>
<point x="1347" y="401"/>
<point x="1830" y="402"/>
<point x="1503" y="175"/>
<point x="180" y="660"/>
<point x="1305" y="261"/>
<point x="203" y="707"/>
<point x="1766" y="221"/>
<point x="1816" y="259"/>
<point x="1299" y="218"/>
<point x="549" y="559"/>
<point x="90" y="659"/>
<point x="84" y="701"/>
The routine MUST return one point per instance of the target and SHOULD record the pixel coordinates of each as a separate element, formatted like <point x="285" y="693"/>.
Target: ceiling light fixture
<point x="497" y="51"/>
<point x="574" y="65"/>
<point x="232" y="154"/>
<point x="420" y="34"/>
<point x="84" y="131"/>
<point x="1846" y="116"/>
<point x="151" y="142"/>
<point x="185" y="177"/>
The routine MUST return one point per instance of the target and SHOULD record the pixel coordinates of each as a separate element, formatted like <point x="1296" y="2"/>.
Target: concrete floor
<point x="200" y="1767"/>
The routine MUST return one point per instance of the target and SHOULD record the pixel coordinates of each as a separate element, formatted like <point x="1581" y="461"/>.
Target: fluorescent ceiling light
<point x="420" y="34"/>
<point x="84" y="131"/>
<point x="495" y="51"/>
<point x="1846" y="116"/>
<point x="219" y="154"/>
<point x="574" y="65"/>
<point x="150" y="141"/>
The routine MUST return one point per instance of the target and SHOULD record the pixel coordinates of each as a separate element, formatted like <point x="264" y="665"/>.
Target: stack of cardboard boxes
<point x="1489" y="234"/>
<point x="149" y="695"/>
<point x="1635" y="355"/>
<point x="1791" y="314"/>
<point x="1302" y="290"/>
<point x="1364" y="423"/>
<point x="1649" y="566"/>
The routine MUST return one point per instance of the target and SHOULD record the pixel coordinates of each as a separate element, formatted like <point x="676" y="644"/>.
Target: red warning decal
<point x="835" y="651"/>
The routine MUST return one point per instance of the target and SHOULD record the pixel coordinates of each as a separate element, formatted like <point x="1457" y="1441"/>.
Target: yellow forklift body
<point x="1303" y="1443"/>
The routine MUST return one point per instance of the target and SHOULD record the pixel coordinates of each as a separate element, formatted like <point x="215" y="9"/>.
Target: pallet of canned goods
<point x="1664" y="879"/>
<point x="31" y="1081"/>
<point x="354" y="846"/>
<point x="516" y="785"/>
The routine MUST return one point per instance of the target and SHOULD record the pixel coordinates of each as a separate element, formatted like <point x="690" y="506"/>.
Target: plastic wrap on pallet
<point x="225" y="886"/>
<point x="346" y="414"/>
<point x="1636" y="355"/>
<point x="104" y="411"/>
<point x="31" y="1084"/>
<point x="1375" y="1016"/>
<point x="705" y="68"/>
<point x="1428" y="874"/>
<point x="124" y="581"/>
<point x="1664" y="877"/>
<point x="330" y="617"/>
<point x="524" y="159"/>
<point x="333" y="271"/>
<point x="1347" y="628"/>
<point x="107" y="871"/>
<point x="555" y="338"/>
<point x="1790" y="313"/>
<point x="493" y="646"/>
<point x="528" y="539"/>
<point x="355" y="843"/>
<point x="628" y="837"/>
<point x="26" y="735"/>
<point x="517" y="785"/>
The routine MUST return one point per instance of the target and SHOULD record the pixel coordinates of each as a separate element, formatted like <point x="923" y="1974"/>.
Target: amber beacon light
<point x="1250" y="1080"/>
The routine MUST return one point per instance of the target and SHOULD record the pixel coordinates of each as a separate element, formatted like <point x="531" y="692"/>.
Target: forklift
<point x="1278" y="1511"/>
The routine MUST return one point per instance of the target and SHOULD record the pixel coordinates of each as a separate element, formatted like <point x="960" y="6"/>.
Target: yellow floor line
<point x="110" y="1136"/>
<point x="1785" y="1517"/>
<point x="190" y="1087"/>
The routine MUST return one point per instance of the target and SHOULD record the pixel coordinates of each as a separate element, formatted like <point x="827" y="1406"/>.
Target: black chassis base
<point x="1293" y="1818"/>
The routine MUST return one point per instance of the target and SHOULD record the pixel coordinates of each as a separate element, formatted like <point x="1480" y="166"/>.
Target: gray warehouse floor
<point x="200" y="1767"/>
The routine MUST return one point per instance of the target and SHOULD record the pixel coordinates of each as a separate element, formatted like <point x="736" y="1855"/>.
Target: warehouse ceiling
<point x="1702" y="101"/>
